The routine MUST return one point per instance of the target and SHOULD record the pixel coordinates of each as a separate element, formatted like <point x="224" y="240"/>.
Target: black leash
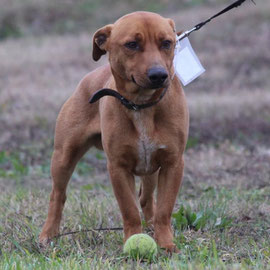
<point x="127" y="103"/>
<point x="200" y="25"/>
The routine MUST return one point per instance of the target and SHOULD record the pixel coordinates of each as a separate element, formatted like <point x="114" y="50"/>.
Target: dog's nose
<point x="157" y="75"/>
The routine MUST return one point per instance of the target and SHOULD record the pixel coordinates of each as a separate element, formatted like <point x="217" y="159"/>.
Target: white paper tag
<point x="187" y="66"/>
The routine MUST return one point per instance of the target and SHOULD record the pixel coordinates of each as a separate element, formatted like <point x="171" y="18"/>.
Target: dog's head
<point x="141" y="49"/>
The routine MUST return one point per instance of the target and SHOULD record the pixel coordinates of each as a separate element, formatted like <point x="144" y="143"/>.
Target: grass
<point x="222" y="214"/>
<point x="220" y="222"/>
<point x="242" y="241"/>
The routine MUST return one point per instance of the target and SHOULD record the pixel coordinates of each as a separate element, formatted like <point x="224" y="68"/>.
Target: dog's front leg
<point x="168" y="185"/>
<point x="123" y="183"/>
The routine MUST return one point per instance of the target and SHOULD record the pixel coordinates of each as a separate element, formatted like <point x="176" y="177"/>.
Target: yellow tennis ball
<point x="141" y="246"/>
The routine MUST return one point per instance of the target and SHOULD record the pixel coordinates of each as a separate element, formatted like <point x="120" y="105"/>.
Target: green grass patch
<point x="192" y="142"/>
<point x="11" y="165"/>
<point x="233" y="233"/>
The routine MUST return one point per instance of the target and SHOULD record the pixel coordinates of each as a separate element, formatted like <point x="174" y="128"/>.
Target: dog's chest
<point x="147" y="146"/>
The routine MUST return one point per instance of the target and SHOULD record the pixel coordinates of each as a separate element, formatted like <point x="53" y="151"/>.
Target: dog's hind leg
<point x="63" y="163"/>
<point x="73" y="137"/>
<point x="146" y="197"/>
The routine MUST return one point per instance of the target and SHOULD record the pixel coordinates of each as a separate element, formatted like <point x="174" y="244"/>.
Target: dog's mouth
<point x="150" y="85"/>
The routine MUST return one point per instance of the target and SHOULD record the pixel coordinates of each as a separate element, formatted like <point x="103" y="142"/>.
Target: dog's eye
<point x="132" y="45"/>
<point x="166" y="44"/>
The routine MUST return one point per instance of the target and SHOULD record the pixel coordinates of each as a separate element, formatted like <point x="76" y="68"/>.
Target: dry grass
<point x="28" y="17"/>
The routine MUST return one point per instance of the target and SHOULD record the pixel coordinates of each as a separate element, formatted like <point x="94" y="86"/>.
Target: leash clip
<point x="186" y="34"/>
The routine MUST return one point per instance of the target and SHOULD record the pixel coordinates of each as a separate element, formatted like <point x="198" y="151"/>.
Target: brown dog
<point x="148" y="142"/>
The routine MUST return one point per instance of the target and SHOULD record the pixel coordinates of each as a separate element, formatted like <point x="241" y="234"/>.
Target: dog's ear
<point x="100" y="40"/>
<point x="172" y="24"/>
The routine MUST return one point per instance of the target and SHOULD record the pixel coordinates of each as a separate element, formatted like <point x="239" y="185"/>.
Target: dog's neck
<point x="133" y="92"/>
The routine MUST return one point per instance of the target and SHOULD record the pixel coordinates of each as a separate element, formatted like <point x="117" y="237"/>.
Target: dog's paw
<point x="170" y="249"/>
<point x="46" y="240"/>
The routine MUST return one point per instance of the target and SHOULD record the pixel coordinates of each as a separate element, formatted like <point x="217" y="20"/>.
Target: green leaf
<point x="87" y="187"/>
<point x="193" y="217"/>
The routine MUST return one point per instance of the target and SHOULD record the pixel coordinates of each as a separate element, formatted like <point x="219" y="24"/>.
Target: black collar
<point x="127" y="103"/>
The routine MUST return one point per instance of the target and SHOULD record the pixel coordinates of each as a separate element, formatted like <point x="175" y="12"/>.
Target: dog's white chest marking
<point x="146" y="147"/>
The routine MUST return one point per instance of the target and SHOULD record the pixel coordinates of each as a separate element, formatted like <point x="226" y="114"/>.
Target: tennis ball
<point x="141" y="246"/>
